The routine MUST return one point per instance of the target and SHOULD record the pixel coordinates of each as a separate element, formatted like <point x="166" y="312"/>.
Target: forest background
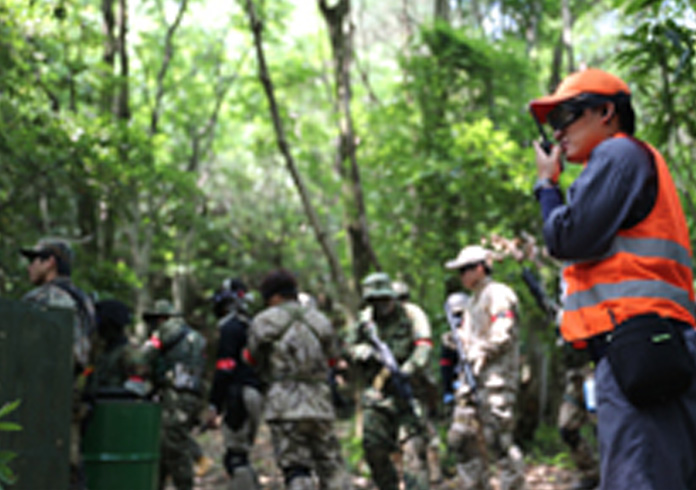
<point x="177" y="143"/>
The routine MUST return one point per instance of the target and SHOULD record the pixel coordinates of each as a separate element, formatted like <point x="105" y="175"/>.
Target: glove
<point x="381" y="379"/>
<point x="362" y="352"/>
<point x="448" y="398"/>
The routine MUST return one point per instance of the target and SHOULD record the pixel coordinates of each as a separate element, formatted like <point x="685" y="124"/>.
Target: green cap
<point x="162" y="307"/>
<point x="377" y="285"/>
<point x="50" y="246"/>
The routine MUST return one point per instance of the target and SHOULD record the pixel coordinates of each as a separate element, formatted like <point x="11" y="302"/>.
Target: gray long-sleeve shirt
<point x="616" y="190"/>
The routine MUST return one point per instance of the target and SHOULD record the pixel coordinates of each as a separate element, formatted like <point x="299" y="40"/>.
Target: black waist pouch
<point x="650" y="360"/>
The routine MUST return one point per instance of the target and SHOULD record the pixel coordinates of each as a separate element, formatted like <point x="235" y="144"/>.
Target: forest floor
<point x="538" y="476"/>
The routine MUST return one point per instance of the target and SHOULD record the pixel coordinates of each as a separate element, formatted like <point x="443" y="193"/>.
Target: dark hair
<point x="281" y="282"/>
<point x="112" y="317"/>
<point x="230" y="295"/>
<point x="62" y="266"/>
<point x="624" y="110"/>
<point x="622" y="105"/>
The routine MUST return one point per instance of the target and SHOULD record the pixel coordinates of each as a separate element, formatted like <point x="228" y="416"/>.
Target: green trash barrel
<point x="121" y="444"/>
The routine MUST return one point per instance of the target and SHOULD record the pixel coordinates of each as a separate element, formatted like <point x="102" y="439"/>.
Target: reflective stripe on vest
<point x="646" y="269"/>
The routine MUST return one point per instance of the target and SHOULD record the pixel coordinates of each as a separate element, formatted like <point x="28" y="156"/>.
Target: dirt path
<point x="539" y="477"/>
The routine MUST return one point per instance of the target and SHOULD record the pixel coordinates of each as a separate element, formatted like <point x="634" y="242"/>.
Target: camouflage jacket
<point x="176" y="357"/>
<point x="116" y="365"/>
<point x="490" y="335"/>
<point x="291" y="347"/>
<point x="55" y="293"/>
<point x="407" y="334"/>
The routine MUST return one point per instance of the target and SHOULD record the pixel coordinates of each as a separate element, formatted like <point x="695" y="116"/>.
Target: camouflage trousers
<point x="482" y="435"/>
<point x="179" y="411"/>
<point x="572" y="416"/>
<point x="410" y="449"/>
<point x="301" y="446"/>
<point x="239" y="442"/>
<point x="382" y="426"/>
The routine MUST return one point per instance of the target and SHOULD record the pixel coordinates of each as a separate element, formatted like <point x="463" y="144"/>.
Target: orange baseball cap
<point x="590" y="80"/>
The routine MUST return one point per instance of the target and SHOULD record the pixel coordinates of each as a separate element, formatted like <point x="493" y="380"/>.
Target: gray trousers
<point x="650" y="448"/>
<point x="242" y="440"/>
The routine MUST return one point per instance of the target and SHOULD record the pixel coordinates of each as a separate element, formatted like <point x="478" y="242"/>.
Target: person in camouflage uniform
<point x="50" y="266"/>
<point x="119" y="366"/>
<point x="573" y="414"/>
<point x="427" y="397"/>
<point x="490" y="340"/>
<point x="405" y="329"/>
<point x="176" y="356"/>
<point x="236" y="391"/>
<point x="292" y="348"/>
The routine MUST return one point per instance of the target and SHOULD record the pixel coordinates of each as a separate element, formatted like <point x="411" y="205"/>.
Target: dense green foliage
<point x="155" y="153"/>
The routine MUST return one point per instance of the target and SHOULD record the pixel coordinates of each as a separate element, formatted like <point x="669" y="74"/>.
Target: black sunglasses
<point x="566" y="113"/>
<point x="563" y="115"/>
<point x="468" y="267"/>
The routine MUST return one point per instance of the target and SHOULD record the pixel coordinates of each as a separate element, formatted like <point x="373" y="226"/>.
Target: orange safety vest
<point x="647" y="269"/>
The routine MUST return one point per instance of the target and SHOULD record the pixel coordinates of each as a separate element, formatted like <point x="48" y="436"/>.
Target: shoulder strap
<point x="173" y="343"/>
<point x="81" y="301"/>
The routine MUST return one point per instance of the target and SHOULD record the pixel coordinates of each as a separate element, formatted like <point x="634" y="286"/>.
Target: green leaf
<point x="6" y="457"/>
<point x="9" y="407"/>
<point x="9" y="427"/>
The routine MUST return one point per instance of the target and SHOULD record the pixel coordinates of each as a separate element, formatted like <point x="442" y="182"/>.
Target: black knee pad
<point x="570" y="437"/>
<point x="292" y="472"/>
<point x="233" y="460"/>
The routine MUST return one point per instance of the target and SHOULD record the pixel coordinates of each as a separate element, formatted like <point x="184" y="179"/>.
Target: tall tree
<point x="347" y="296"/>
<point x="338" y="20"/>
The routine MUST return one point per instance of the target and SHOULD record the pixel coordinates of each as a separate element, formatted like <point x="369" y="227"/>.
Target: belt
<point x="597" y="345"/>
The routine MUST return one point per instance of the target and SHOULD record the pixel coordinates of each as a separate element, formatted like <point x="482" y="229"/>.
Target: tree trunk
<point x="556" y="64"/>
<point x="341" y="32"/>
<point x="346" y="295"/>
<point x="567" y="16"/>
<point x="442" y="10"/>
<point x="142" y="227"/>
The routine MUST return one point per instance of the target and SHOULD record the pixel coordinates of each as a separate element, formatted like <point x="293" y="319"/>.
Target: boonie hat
<point x="50" y="246"/>
<point x="162" y="307"/>
<point x="591" y="80"/>
<point x="378" y="285"/>
<point x="472" y="254"/>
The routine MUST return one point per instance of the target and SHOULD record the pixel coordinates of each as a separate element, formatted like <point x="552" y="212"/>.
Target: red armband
<point x="418" y="342"/>
<point x="155" y="342"/>
<point x="504" y="314"/>
<point x="248" y="357"/>
<point x="446" y="362"/>
<point x="226" y="364"/>
<point x="332" y="362"/>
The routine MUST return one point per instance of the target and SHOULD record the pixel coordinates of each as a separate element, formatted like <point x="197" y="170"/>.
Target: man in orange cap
<point x="628" y="287"/>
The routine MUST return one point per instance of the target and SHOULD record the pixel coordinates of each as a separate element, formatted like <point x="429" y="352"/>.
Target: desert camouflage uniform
<point x="52" y="294"/>
<point x="490" y="340"/>
<point x="176" y="355"/>
<point x="407" y="333"/>
<point x="291" y="347"/>
<point x="573" y="415"/>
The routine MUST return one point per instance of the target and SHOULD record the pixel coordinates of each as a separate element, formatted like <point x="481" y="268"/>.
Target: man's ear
<point x="608" y="112"/>
<point x="53" y="260"/>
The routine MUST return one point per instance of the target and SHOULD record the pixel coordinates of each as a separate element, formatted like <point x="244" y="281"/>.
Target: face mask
<point x="382" y="308"/>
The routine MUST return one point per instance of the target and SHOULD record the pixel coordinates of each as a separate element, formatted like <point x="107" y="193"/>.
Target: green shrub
<point x="7" y="477"/>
